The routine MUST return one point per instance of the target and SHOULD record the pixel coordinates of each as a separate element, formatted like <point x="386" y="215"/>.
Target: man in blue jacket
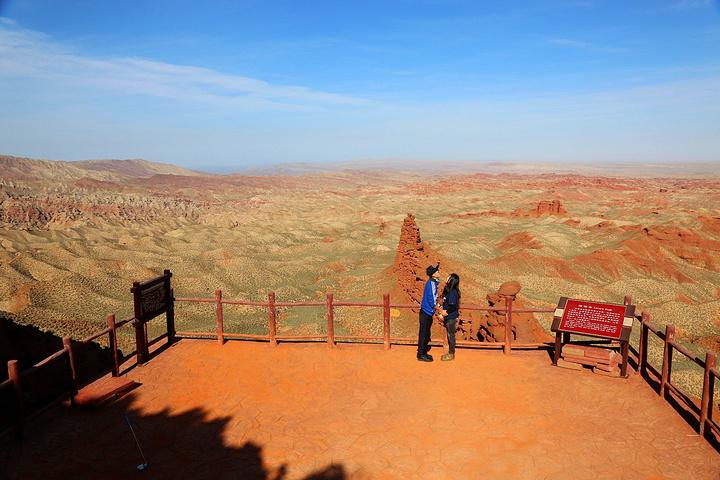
<point x="427" y="310"/>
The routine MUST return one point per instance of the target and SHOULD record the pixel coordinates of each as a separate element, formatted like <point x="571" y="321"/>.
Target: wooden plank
<point x="572" y="366"/>
<point x="102" y="392"/>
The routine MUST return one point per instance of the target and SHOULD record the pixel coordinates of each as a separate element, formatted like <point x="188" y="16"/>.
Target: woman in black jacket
<point x="451" y="305"/>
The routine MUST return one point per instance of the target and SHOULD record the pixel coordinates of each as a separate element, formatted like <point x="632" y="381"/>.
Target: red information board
<point x="592" y="318"/>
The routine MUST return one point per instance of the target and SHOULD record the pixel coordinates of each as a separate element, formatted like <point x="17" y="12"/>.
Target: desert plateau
<point x="75" y="235"/>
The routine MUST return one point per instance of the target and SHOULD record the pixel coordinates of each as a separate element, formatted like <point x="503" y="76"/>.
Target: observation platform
<point x="295" y="411"/>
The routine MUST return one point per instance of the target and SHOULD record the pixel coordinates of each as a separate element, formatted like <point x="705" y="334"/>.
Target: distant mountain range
<point x="606" y="169"/>
<point x="29" y="169"/>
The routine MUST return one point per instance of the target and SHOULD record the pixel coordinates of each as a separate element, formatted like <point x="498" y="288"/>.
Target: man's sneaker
<point x="424" y="358"/>
<point x="447" y="357"/>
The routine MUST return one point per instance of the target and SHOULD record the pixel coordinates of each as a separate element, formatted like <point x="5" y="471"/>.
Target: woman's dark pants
<point x="451" y="325"/>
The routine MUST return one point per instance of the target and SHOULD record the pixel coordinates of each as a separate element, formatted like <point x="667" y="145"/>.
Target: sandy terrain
<point x="74" y="238"/>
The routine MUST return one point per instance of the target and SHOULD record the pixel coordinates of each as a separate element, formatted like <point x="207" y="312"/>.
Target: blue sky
<point x="223" y="85"/>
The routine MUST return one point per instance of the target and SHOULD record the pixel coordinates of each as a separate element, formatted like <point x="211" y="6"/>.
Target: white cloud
<point x="564" y="42"/>
<point x="26" y="54"/>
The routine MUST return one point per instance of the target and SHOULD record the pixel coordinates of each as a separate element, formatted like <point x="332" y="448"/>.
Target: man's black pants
<point x="424" y="333"/>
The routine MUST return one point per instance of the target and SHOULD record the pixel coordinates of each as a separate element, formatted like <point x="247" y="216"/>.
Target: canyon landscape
<point x="75" y="235"/>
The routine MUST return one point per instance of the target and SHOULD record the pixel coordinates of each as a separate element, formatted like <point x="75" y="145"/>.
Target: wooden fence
<point x="709" y="365"/>
<point x="67" y="353"/>
<point x="330" y="303"/>
<point x="702" y="412"/>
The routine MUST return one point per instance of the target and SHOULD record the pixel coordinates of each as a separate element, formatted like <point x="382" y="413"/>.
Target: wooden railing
<point x="330" y="303"/>
<point x="15" y="377"/>
<point x="703" y="412"/>
<point x="670" y="345"/>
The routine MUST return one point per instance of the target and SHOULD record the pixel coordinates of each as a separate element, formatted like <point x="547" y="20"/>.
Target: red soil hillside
<point x="520" y="239"/>
<point x="656" y="252"/>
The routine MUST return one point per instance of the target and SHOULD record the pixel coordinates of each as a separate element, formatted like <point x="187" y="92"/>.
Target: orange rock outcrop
<point x="411" y="260"/>
<point x="525" y="328"/>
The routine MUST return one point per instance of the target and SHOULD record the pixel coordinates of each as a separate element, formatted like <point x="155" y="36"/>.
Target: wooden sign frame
<point x="151" y="299"/>
<point x="606" y="321"/>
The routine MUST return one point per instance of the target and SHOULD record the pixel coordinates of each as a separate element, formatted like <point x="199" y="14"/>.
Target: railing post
<point x="643" y="347"/>
<point x="508" y="323"/>
<point x="112" y="340"/>
<point x="386" y="321"/>
<point x="708" y="391"/>
<point x="219" y="316"/>
<point x="14" y="375"/>
<point x="140" y="342"/>
<point x="331" y="322"/>
<point x="667" y="359"/>
<point x="67" y="344"/>
<point x="272" y="325"/>
<point x="170" y="316"/>
<point x="625" y="346"/>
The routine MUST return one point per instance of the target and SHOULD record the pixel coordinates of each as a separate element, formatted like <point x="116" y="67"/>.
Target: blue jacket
<point x="429" y="299"/>
<point x="451" y="304"/>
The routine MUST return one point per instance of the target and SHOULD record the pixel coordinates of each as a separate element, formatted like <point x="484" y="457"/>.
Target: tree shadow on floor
<point x="75" y="443"/>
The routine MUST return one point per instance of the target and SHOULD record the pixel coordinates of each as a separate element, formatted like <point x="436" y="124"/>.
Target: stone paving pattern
<point x="248" y="410"/>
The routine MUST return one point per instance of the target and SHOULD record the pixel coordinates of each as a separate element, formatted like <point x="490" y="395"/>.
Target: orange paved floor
<point x="246" y="410"/>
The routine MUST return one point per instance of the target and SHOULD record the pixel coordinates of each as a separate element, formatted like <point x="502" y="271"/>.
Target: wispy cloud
<point x="589" y="47"/>
<point x="33" y="55"/>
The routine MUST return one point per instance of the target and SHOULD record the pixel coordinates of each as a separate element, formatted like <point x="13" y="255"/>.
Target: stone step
<point x="100" y="393"/>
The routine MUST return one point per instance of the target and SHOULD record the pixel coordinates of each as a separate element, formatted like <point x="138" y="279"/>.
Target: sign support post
<point x="151" y="299"/>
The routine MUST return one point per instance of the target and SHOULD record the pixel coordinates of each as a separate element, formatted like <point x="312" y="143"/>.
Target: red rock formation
<point x="525" y="327"/>
<point x="381" y="230"/>
<point x="545" y="207"/>
<point x="551" y="208"/>
<point x="411" y="260"/>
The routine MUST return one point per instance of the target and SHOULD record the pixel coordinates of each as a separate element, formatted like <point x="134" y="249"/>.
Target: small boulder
<point x="509" y="289"/>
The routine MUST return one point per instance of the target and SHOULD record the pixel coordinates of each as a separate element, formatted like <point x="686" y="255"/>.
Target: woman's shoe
<point x="447" y="357"/>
